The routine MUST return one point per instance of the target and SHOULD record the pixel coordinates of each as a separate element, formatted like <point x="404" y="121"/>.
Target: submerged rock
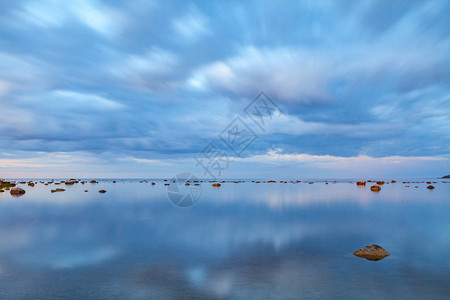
<point x="17" y="191"/>
<point x="372" y="252"/>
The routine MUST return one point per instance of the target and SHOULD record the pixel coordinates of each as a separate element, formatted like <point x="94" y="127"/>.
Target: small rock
<point x="362" y="182"/>
<point x="372" y="252"/>
<point x="216" y="184"/>
<point x="430" y="187"/>
<point x="375" y="188"/>
<point x="17" y="191"/>
<point x="102" y="191"/>
<point x="30" y="184"/>
<point x="380" y="182"/>
<point x="57" y="190"/>
<point x="85" y="191"/>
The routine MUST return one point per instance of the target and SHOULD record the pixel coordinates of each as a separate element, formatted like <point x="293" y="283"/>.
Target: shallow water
<point x="240" y="241"/>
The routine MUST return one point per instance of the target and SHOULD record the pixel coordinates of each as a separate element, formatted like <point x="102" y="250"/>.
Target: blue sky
<point x="140" y="88"/>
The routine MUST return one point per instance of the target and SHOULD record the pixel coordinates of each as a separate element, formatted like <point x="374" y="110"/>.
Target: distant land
<point x="446" y="176"/>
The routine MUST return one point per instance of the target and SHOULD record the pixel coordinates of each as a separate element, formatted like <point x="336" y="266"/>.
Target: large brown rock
<point x="372" y="252"/>
<point x="17" y="191"/>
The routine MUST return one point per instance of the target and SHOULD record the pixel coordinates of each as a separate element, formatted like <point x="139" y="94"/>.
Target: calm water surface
<point x="241" y="241"/>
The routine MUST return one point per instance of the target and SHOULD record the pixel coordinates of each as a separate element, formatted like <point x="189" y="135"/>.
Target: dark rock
<point x="372" y="252"/>
<point x="362" y="182"/>
<point x="57" y="190"/>
<point x="17" y="191"/>
<point x="375" y="188"/>
<point x="102" y="191"/>
<point x="430" y="187"/>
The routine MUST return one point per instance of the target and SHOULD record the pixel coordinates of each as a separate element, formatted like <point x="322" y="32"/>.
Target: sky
<point x="135" y="89"/>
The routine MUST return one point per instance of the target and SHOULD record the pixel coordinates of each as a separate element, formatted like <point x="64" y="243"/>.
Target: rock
<point x="85" y="191"/>
<point x="30" y="184"/>
<point x="7" y="184"/>
<point x="375" y="188"/>
<point x="57" y="190"/>
<point x="216" y="184"/>
<point x="17" y="191"/>
<point x="69" y="182"/>
<point x="380" y="182"/>
<point x="153" y="183"/>
<point x="102" y="191"/>
<point x="362" y="182"/>
<point x="92" y="181"/>
<point x="430" y="187"/>
<point x="372" y="252"/>
<point x="393" y="181"/>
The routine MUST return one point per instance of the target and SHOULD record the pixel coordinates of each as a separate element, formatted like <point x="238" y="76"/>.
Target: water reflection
<point x="240" y="241"/>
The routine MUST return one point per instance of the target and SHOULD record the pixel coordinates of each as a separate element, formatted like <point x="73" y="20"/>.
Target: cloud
<point x="192" y="26"/>
<point x="153" y="70"/>
<point x="54" y="14"/>
<point x="159" y="81"/>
